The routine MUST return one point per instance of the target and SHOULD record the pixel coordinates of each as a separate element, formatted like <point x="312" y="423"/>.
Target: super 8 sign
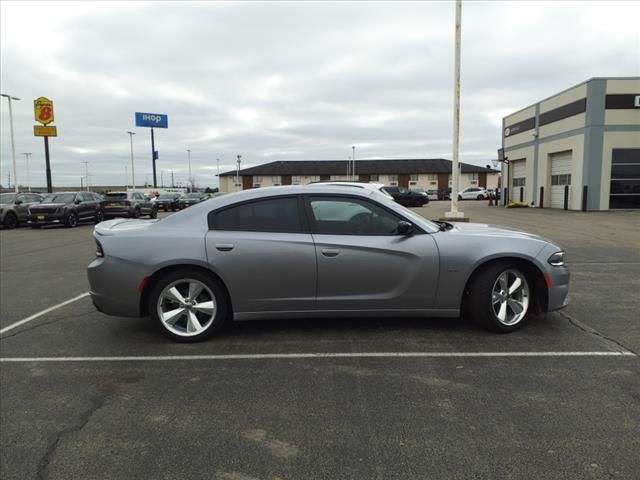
<point x="43" y="109"/>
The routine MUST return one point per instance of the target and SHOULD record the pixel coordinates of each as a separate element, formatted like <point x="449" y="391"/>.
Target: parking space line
<point x="288" y="356"/>
<point x="43" y="312"/>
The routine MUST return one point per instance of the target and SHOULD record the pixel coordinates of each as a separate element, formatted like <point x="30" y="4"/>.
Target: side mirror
<point x="18" y="202"/>
<point x="405" y="228"/>
<point x="77" y="201"/>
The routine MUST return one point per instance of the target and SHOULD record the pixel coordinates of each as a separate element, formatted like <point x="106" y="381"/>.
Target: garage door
<point x="560" y="176"/>
<point x="518" y="180"/>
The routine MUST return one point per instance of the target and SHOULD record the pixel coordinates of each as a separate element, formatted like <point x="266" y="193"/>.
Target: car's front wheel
<point x="154" y="213"/>
<point x="10" y="220"/>
<point x="99" y="216"/>
<point x="72" y="220"/>
<point x="189" y="305"/>
<point x="499" y="297"/>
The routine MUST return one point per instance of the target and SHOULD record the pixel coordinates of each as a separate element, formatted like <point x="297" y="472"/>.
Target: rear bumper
<point x="116" y="212"/>
<point x="114" y="287"/>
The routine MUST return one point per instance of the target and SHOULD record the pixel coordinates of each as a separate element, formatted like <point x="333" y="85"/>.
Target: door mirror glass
<point x="405" y="228"/>
<point x="77" y="201"/>
<point x="18" y="201"/>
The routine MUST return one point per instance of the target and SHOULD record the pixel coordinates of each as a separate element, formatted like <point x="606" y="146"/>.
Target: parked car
<point x="377" y="187"/>
<point x="433" y="195"/>
<point x="66" y="208"/>
<point x="317" y="250"/>
<point x="191" y="199"/>
<point x="168" y="201"/>
<point x="406" y="197"/>
<point x="128" y="204"/>
<point x="473" y="193"/>
<point x="444" y="194"/>
<point x="14" y="207"/>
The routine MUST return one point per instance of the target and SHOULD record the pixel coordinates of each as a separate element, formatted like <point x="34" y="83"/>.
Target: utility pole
<point x="126" y="178"/>
<point x="190" y="179"/>
<point x="86" y="173"/>
<point x="238" y="186"/>
<point x="13" y="143"/>
<point x="173" y="185"/>
<point x="27" y="155"/>
<point x="218" y="169"/>
<point x="353" y="170"/>
<point x="133" y="175"/>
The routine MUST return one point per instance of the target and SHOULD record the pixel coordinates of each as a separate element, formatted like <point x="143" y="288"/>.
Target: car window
<point x="33" y="198"/>
<point x="272" y="215"/>
<point x="350" y="216"/>
<point x="59" y="198"/>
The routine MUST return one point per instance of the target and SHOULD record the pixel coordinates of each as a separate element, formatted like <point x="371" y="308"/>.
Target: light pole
<point x="189" y="179"/>
<point x="238" y="173"/>
<point x="133" y="175"/>
<point x="27" y="155"/>
<point x="353" y="169"/>
<point x="13" y="143"/>
<point x="86" y="174"/>
<point x="349" y="167"/>
<point x="126" y="177"/>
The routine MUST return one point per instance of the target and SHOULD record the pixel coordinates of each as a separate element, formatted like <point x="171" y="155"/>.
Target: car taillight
<point x="99" y="251"/>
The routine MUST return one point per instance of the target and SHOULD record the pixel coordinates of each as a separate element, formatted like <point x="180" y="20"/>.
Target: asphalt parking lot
<point x="86" y="396"/>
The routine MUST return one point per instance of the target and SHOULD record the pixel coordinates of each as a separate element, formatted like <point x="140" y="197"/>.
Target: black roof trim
<point x="363" y="167"/>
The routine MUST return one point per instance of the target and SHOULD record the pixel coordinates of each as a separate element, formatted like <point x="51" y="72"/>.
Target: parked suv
<point x="14" y="207"/>
<point x="168" y="201"/>
<point x="66" y="208"/>
<point x="128" y="204"/>
<point x="408" y="198"/>
<point x="473" y="193"/>
<point x="377" y="187"/>
<point x="191" y="199"/>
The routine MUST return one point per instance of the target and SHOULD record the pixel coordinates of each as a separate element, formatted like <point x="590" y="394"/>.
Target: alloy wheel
<point x="186" y="307"/>
<point x="510" y="297"/>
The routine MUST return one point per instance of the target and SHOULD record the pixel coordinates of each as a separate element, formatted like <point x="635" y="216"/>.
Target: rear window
<point x="273" y="215"/>
<point x="115" y="196"/>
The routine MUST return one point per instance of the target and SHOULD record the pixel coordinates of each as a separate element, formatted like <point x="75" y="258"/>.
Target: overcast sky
<point x="287" y="80"/>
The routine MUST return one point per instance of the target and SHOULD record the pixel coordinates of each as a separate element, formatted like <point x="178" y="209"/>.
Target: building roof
<point x="363" y="167"/>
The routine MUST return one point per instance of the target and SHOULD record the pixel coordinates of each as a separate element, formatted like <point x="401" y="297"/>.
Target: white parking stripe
<point x="43" y="312"/>
<point x="287" y="356"/>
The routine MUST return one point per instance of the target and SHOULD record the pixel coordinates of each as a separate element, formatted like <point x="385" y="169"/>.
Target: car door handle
<point x="330" y="252"/>
<point x="224" y="247"/>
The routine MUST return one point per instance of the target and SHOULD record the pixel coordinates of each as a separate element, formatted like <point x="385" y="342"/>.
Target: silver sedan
<point x="321" y="251"/>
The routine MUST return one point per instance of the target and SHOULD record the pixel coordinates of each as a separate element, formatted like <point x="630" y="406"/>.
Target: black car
<point x="406" y="197"/>
<point x="128" y="204"/>
<point x="191" y="199"/>
<point x="168" y="201"/>
<point x="66" y="208"/>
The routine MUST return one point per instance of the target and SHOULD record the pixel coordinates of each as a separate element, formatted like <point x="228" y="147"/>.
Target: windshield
<point x="192" y="195"/>
<point x="7" y="197"/>
<point x="59" y="198"/>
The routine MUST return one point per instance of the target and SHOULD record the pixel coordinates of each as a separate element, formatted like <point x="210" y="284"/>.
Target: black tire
<point x="10" y="220"/>
<point x="165" y="208"/>
<point x="480" y="197"/>
<point x="478" y="304"/>
<point x="99" y="216"/>
<point x="136" y="213"/>
<point x="72" y="220"/>
<point x="222" y="311"/>
<point x="154" y="213"/>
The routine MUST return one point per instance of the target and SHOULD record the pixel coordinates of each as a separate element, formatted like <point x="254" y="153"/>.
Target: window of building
<point x="393" y="178"/>
<point x="295" y="179"/>
<point x="349" y="216"/>
<point x="335" y="177"/>
<point x="625" y="178"/>
<point x="432" y="178"/>
<point x="315" y="178"/>
<point x="374" y="178"/>
<point x="275" y="180"/>
<point x="520" y="182"/>
<point x="413" y="177"/>
<point x="272" y="215"/>
<point x="564" y="179"/>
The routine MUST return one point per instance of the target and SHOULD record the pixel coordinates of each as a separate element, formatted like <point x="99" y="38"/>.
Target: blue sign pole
<point x="153" y="120"/>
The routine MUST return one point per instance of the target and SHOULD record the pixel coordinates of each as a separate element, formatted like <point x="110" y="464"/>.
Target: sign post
<point x="43" y="113"/>
<point x="153" y="120"/>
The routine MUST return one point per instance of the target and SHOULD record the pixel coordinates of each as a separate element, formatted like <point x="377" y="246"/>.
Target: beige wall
<point x="613" y="140"/>
<point x="523" y="137"/>
<point x="527" y="154"/>
<point x="563" y="98"/>
<point x="624" y="86"/>
<point x="576" y="145"/>
<point x="564" y="125"/>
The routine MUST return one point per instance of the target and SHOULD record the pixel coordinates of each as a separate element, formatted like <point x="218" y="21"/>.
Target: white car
<point x="473" y="193"/>
<point x="376" y="187"/>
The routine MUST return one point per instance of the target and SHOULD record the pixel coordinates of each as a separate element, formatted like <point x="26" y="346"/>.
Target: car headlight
<point x="557" y="259"/>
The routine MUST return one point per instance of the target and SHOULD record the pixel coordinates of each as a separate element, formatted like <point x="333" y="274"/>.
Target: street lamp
<point x="13" y="143"/>
<point x="27" y="155"/>
<point x="238" y="173"/>
<point x="133" y="175"/>
<point x="189" y="179"/>
<point x="353" y="170"/>
<point x="86" y="174"/>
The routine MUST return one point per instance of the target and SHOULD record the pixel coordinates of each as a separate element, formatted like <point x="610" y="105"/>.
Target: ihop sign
<point x="154" y="120"/>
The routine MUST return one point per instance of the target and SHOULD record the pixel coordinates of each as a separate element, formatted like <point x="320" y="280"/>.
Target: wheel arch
<point x="159" y="274"/>
<point x="529" y="268"/>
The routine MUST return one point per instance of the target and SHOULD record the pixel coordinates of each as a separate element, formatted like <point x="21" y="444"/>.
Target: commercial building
<point x="426" y="174"/>
<point x="579" y="149"/>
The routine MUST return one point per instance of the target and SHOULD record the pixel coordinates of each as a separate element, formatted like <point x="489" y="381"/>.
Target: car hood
<point x="48" y="205"/>
<point x="484" y="229"/>
<point x="112" y="227"/>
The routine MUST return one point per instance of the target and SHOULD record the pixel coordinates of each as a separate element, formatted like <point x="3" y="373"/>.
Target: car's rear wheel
<point x="136" y="213"/>
<point x="499" y="297"/>
<point x="189" y="305"/>
<point x="154" y="213"/>
<point x="99" y="216"/>
<point x="72" y="220"/>
<point x="10" y="220"/>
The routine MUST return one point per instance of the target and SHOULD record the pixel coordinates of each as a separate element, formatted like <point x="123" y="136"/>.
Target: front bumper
<point x="46" y="218"/>
<point x="558" y="293"/>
